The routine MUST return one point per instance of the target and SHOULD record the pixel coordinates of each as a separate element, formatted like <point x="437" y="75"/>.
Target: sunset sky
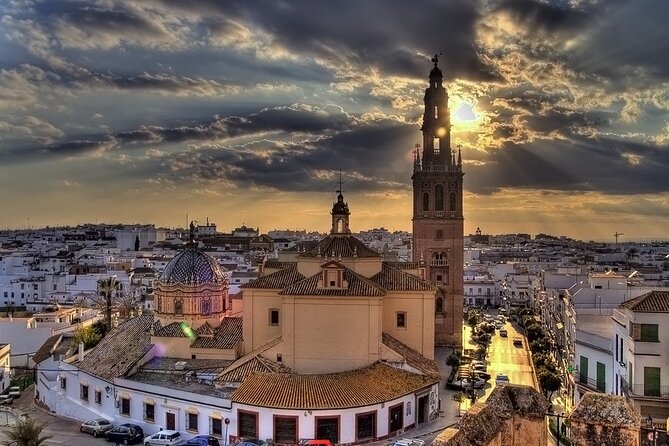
<point x="244" y="112"/>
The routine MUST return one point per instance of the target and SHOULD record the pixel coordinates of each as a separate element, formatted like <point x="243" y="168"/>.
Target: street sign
<point x="651" y="436"/>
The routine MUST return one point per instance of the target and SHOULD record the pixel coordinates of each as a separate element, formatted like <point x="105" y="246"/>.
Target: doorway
<point x="170" y="421"/>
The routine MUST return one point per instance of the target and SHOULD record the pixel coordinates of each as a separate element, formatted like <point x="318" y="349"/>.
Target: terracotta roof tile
<point x="341" y="246"/>
<point x="257" y="364"/>
<point x="393" y="279"/>
<point x="120" y="349"/>
<point x="277" y="280"/>
<point x="412" y="357"/>
<point x="403" y="265"/>
<point x="172" y="330"/>
<point x="357" y="286"/>
<point x="46" y="350"/>
<point x="226" y="336"/>
<point x="653" y="302"/>
<point x="371" y="385"/>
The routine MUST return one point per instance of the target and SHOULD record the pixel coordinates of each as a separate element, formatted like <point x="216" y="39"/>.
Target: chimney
<point x="81" y="351"/>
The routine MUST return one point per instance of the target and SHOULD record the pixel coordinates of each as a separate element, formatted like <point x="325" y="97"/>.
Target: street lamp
<point x="649" y="422"/>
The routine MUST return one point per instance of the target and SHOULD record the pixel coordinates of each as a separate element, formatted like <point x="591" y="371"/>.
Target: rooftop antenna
<point x="616" y="235"/>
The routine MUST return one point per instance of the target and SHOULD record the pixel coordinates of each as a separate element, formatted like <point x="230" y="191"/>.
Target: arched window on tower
<point x="439" y="305"/>
<point x="452" y="202"/>
<point x="426" y="202"/>
<point x="439" y="197"/>
<point x="435" y="146"/>
<point x="340" y="226"/>
<point x="178" y="308"/>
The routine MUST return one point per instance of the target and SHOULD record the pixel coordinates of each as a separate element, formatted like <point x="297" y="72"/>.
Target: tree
<point x="453" y="361"/>
<point x="87" y="335"/>
<point x="107" y="290"/>
<point x="549" y="382"/>
<point x="26" y="432"/>
<point x="128" y="303"/>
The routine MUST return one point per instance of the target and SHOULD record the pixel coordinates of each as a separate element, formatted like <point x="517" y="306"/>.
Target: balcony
<point x="438" y="262"/>
<point x="599" y="386"/>
<point x="644" y="391"/>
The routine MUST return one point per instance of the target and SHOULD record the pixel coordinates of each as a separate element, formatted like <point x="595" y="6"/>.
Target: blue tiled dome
<point x="192" y="267"/>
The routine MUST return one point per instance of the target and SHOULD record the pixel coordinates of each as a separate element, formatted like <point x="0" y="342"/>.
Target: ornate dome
<point x="192" y="267"/>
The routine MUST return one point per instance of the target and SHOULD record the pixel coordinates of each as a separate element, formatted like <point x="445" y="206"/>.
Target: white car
<point x="409" y="442"/>
<point x="164" y="438"/>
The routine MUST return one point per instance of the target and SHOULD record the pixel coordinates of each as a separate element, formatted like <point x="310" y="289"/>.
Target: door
<point x="601" y="377"/>
<point x="170" y="421"/>
<point x="423" y="402"/>
<point x="651" y="381"/>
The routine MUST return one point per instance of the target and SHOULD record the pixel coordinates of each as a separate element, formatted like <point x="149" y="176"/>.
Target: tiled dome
<point x="192" y="267"/>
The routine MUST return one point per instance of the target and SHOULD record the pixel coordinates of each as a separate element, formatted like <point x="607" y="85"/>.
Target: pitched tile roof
<point x="277" y="280"/>
<point x="653" y="302"/>
<point x="275" y="264"/>
<point x="341" y="246"/>
<point x="394" y="279"/>
<point x="172" y="330"/>
<point x="257" y="364"/>
<point x="46" y="350"/>
<point x="403" y="265"/>
<point x="371" y="385"/>
<point x="412" y="357"/>
<point x="120" y="349"/>
<point x="226" y="336"/>
<point x="357" y="286"/>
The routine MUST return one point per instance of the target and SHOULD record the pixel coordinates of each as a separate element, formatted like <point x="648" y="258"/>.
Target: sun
<point x="465" y="115"/>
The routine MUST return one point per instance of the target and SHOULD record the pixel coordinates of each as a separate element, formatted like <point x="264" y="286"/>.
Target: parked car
<point x="6" y="400"/>
<point x="14" y="392"/>
<point x="409" y="442"/>
<point x="479" y="366"/>
<point x="125" y="433"/>
<point x="203" y="440"/>
<point x="518" y="342"/>
<point x="164" y="438"/>
<point x="503" y="333"/>
<point x="485" y="376"/>
<point x="256" y="442"/>
<point x="466" y="383"/>
<point x="96" y="427"/>
<point x="502" y="378"/>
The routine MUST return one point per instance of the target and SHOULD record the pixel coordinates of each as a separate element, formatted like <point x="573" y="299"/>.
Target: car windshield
<point x="103" y="422"/>
<point x="174" y="435"/>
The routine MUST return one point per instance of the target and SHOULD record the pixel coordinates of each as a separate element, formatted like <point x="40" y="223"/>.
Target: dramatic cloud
<point x="236" y="100"/>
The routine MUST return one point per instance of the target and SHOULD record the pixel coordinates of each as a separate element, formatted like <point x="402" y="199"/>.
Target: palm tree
<point x="107" y="289"/>
<point x="26" y="432"/>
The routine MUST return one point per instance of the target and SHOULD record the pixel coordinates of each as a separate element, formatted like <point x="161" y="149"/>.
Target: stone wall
<point x="513" y="415"/>
<point x="604" y="419"/>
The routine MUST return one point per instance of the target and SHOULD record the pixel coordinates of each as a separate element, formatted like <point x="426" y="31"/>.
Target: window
<point x="365" y="426"/>
<point x="437" y="149"/>
<point x="55" y="287"/>
<point x="63" y="382"/>
<point x="651" y="381"/>
<point x="452" y="203"/>
<point x="401" y="319"/>
<point x="98" y="397"/>
<point x="396" y="415"/>
<point x="583" y="370"/>
<point x="125" y="406"/>
<point x="644" y="332"/>
<point x="617" y="349"/>
<point x="285" y="430"/>
<point x="601" y="377"/>
<point x="426" y="202"/>
<point x="439" y="305"/>
<point x="83" y="392"/>
<point x="247" y="424"/>
<point x="328" y="428"/>
<point x="191" y="421"/>
<point x="34" y="287"/>
<point x="216" y="427"/>
<point x="440" y="234"/>
<point x="178" y="308"/>
<point x="436" y="112"/>
<point x="149" y="412"/>
<point x="439" y="197"/>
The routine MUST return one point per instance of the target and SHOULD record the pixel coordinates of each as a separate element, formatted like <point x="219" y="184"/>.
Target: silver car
<point x="96" y="427"/>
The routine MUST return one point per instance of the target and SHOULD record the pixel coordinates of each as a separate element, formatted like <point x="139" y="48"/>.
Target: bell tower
<point x="438" y="221"/>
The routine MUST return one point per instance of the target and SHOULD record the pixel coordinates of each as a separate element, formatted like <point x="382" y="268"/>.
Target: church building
<point x="336" y="345"/>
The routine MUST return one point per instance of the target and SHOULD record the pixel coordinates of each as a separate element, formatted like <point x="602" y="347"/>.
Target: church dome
<point x="192" y="267"/>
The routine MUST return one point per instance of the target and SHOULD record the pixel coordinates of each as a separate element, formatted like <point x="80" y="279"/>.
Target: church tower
<point x="438" y="221"/>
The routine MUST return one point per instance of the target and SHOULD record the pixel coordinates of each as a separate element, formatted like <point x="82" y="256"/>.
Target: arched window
<point x="439" y="305"/>
<point x="340" y="226"/>
<point x="178" y="308"/>
<point x="452" y="208"/>
<point x="439" y="197"/>
<point x="426" y="202"/>
<point x="206" y="306"/>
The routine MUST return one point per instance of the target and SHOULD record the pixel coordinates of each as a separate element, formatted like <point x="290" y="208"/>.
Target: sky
<point x="244" y="112"/>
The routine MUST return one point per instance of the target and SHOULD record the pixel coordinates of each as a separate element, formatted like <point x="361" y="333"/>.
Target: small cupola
<point x="332" y="276"/>
<point x="340" y="216"/>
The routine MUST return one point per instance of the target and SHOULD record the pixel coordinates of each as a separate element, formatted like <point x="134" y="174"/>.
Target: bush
<point x="453" y="361"/>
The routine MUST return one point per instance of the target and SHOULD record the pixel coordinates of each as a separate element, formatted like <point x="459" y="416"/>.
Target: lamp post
<point x="649" y="422"/>
<point x="227" y="423"/>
